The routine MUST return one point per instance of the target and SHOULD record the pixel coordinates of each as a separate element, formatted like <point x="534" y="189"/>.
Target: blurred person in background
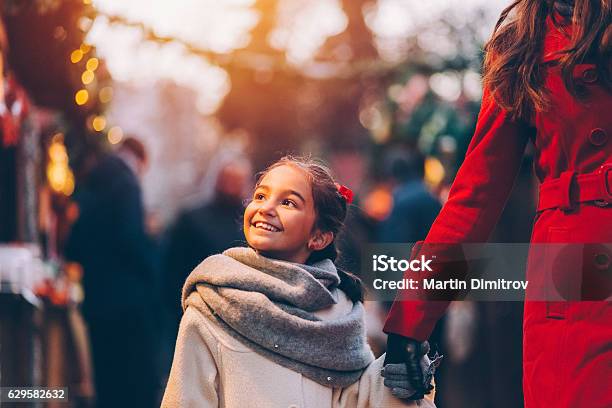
<point x="414" y="207"/>
<point x="207" y="229"/>
<point x="119" y="262"/>
<point x="412" y="210"/>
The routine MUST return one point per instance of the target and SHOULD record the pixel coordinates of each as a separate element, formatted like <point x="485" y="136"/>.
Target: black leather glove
<point x="409" y="353"/>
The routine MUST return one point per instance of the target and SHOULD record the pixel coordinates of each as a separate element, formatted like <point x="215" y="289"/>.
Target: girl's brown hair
<point x="330" y="209"/>
<point x="513" y="71"/>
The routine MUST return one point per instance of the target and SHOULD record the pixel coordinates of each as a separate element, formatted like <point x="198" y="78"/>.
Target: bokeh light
<point x="106" y="94"/>
<point x="115" y="135"/>
<point x="447" y="85"/>
<point x="98" y="123"/>
<point x="92" y="64"/>
<point x="59" y="174"/>
<point x="434" y="171"/>
<point x="76" y="56"/>
<point x="81" y="97"/>
<point x="87" y="77"/>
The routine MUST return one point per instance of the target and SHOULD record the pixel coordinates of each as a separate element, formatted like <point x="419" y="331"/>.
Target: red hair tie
<point x="345" y="192"/>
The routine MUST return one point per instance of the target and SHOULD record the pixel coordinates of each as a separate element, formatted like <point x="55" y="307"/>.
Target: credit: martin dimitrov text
<point x="385" y="263"/>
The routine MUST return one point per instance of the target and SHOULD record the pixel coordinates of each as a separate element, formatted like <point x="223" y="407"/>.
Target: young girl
<point x="276" y="324"/>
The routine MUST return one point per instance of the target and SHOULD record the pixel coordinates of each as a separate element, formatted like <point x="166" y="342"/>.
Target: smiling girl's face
<point x="279" y="221"/>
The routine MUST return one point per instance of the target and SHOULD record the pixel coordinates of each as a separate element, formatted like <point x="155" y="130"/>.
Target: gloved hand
<point x="408" y="370"/>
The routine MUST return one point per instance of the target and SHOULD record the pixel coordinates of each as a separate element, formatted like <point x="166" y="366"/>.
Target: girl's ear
<point x="320" y="240"/>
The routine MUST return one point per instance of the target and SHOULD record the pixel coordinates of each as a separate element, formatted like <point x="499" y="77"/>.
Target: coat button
<point x="598" y="137"/>
<point x="602" y="261"/>
<point x="589" y="75"/>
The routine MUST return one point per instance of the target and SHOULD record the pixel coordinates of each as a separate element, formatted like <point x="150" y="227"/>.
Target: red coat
<point x="567" y="354"/>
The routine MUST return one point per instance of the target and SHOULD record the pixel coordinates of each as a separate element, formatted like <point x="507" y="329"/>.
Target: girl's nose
<point x="267" y="207"/>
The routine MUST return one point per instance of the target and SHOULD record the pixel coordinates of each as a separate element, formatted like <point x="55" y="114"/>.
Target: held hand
<point x="408" y="371"/>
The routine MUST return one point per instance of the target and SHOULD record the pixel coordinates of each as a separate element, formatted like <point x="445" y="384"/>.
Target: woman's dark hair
<point x="513" y="71"/>
<point x="330" y="210"/>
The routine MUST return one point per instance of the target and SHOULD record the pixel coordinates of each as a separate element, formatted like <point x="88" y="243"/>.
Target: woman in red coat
<point x="547" y="77"/>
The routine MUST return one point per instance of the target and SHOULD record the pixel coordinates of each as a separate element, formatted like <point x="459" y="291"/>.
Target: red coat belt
<point x="570" y="189"/>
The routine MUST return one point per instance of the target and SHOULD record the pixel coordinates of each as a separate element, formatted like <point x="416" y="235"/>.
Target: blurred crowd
<point x="100" y="232"/>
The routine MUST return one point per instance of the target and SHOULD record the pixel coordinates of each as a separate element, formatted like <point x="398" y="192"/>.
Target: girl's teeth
<point x="265" y="227"/>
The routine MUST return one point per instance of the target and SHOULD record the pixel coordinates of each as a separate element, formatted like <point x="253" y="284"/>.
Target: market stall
<point x="48" y="90"/>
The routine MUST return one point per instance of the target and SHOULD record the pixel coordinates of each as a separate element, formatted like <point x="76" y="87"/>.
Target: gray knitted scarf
<point x="268" y="306"/>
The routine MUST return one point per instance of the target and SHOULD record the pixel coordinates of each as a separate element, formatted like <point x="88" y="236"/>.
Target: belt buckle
<point x="605" y="188"/>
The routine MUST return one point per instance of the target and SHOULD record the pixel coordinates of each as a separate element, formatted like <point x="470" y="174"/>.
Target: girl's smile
<point x="266" y="226"/>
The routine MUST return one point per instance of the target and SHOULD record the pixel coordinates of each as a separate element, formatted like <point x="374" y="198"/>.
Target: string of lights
<point x="254" y="61"/>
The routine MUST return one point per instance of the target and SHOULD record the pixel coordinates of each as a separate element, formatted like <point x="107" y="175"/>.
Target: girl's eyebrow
<point x="297" y="194"/>
<point x="263" y="186"/>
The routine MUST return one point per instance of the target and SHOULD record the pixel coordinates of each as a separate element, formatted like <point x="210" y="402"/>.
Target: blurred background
<point x="130" y="136"/>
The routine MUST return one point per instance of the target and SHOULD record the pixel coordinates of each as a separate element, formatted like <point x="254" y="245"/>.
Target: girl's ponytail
<point x="350" y="284"/>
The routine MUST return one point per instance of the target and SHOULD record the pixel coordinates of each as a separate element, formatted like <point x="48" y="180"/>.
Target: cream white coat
<point x="212" y="369"/>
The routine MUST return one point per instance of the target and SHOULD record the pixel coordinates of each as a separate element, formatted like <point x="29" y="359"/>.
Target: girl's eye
<point x="288" y="202"/>
<point x="258" y="196"/>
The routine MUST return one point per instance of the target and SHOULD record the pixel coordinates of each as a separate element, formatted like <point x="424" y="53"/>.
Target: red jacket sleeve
<point x="476" y="200"/>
